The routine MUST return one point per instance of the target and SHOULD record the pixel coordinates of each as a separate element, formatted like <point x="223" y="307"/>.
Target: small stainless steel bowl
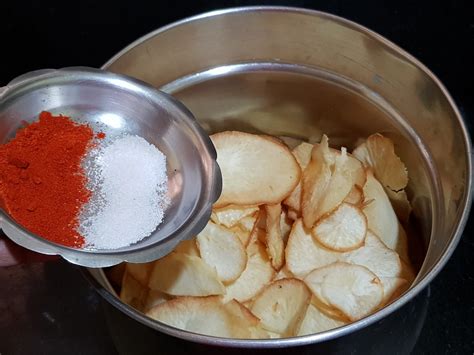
<point x="119" y="104"/>
<point x="301" y="73"/>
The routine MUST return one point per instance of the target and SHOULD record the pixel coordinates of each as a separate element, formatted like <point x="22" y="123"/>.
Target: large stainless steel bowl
<point x="301" y="73"/>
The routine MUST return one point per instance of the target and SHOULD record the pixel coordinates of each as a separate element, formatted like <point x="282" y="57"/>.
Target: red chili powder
<point x="42" y="182"/>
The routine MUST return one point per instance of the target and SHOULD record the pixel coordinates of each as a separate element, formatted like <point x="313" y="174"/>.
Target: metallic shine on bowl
<point x="301" y="73"/>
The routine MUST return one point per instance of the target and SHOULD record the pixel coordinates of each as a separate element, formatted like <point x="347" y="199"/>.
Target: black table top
<point x="50" y="309"/>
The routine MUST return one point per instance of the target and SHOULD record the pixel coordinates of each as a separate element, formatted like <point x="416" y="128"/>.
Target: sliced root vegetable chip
<point x="133" y="292"/>
<point x="231" y="215"/>
<point x="378" y="152"/>
<point x="382" y="261"/>
<point x="381" y="218"/>
<point x="222" y="249"/>
<point x="274" y="238"/>
<point x="155" y="298"/>
<point x="376" y="257"/>
<point x="281" y="306"/>
<point x="293" y="201"/>
<point x="400" y="204"/>
<point x="141" y="272"/>
<point x="244" y="228"/>
<point x="316" y="321"/>
<point x="304" y="254"/>
<point x="204" y="315"/>
<point x="188" y="247"/>
<point x="293" y="215"/>
<point x="316" y="179"/>
<point x="342" y="230"/>
<point x="302" y="154"/>
<point x="255" y="170"/>
<point x="285" y="226"/>
<point x="258" y="272"/>
<point x="353" y="289"/>
<point x="343" y="179"/>
<point x="284" y="273"/>
<point x="328" y="310"/>
<point x="247" y="223"/>
<point x="241" y="312"/>
<point x="393" y="287"/>
<point x="185" y="275"/>
<point x="355" y="196"/>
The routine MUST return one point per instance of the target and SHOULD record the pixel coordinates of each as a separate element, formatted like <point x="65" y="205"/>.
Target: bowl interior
<point x="299" y="74"/>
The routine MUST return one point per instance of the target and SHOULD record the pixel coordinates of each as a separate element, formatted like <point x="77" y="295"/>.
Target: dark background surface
<point x="52" y="34"/>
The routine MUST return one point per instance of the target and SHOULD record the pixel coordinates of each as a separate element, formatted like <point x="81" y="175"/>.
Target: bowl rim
<point x="461" y="218"/>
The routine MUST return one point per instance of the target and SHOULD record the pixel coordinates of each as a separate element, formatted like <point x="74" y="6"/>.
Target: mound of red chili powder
<point x="42" y="182"/>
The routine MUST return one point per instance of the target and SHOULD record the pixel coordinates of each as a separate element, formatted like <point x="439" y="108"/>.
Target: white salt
<point x="129" y="183"/>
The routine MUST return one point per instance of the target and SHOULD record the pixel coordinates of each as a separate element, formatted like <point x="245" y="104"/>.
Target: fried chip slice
<point x="203" y="315"/>
<point x="222" y="250"/>
<point x="353" y="289"/>
<point x="230" y="216"/>
<point x="316" y="179"/>
<point x="342" y="230"/>
<point x="133" y="292"/>
<point x="281" y="306"/>
<point x="185" y="275"/>
<point x="316" y="321"/>
<point x="274" y="239"/>
<point x="381" y="218"/>
<point x="255" y="170"/>
<point x="378" y="152"/>
<point x="304" y="253"/>
<point x="258" y="272"/>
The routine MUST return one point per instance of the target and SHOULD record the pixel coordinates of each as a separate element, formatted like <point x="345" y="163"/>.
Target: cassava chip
<point x="155" y="298"/>
<point x="393" y="287"/>
<point x="344" y="177"/>
<point x="382" y="261"/>
<point x="222" y="249"/>
<point x="204" y="315"/>
<point x="284" y="273"/>
<point x="355" y="196"/>
<point x="188" y="247"/>
<point x="141" y="272"/>
<point x="400" y="204"/>
<point x="381" y="219"/>
<point x="353" y="289"/>
<point x="316" y="179"/>
<point x="133" y="292"/>
<point x="184" y="275"/>
<point x="285" y="226"/>
<point x="342" y="230"/>
<point x="282" y="305"/>
<point x="244" y="228"/>
<point x="258" y="272"/>
<point x="302" y="154"/>
<point x="315" y="321"/>
<point x="378" y="152"/>
<point x="231" y="215"/>
<point x="304" y="254"/>
<point x="274" y="238"/>
<point x="255" y="170"/>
